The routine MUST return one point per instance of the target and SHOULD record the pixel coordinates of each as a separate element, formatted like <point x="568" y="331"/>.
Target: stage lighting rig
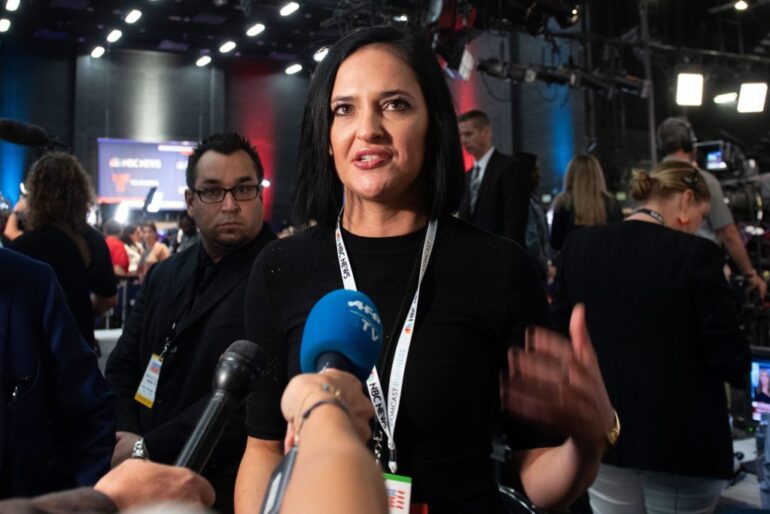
<point x="565" y="12"/>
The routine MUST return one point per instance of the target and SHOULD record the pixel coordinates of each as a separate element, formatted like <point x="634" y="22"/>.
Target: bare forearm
<point x="102" y="304"/>
<point x="731" y="238"/>
<point x="554" y="478"/>
<point x="329" y="441"/>
<point x="259" y="460"/>
<point x="12" y="230"/>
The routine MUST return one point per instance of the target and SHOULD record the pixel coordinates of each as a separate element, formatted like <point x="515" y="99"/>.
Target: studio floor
<point x="744" y="494"/>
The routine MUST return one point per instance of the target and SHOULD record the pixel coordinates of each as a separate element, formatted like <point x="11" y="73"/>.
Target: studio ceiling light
<point x="294" y="68"/>
<point x="689" y="89"/>
<point x="133" y="16"/>
<point x="741" y="5"/>
<point x="97" y="52"/>
<point x="5" y="24"/>
<point x="203" y="61"/>
<point x="227" y="47"/>
<point x="289" y="8"/>
<point x="726" y="98"/>
<point x="752" y="97"/>
<point x="255" y="29"/>
<point x="12" y="5"/>
<point x="113" y="36"/>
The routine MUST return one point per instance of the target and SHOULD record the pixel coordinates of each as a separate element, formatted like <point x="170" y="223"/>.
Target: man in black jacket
<point x="497" y="190"/>
<point x="190" y="308"/>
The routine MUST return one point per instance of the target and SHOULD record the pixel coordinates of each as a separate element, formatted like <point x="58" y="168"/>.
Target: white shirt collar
<point x="482" y="163"/>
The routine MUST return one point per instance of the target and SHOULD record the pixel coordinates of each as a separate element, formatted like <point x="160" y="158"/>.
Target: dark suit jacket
<point x="58" y="430"/>
<point x="202" y="333"/>
<point x="501" y="207"/>
<point x="665" y="330"/>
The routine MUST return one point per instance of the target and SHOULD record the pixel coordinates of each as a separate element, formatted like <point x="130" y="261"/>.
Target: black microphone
<point x="25" y="134"/>
<point x="239" y="368"/>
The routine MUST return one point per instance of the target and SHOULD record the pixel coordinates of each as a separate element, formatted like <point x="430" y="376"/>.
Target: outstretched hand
<point x="557" y="383"/>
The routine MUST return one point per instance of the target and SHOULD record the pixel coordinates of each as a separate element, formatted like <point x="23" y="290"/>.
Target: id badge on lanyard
<point x="387" y="412"/>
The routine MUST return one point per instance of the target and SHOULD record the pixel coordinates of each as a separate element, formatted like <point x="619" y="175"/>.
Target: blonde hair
<point x="668" y="179"/>
<point x="584" y="191"/>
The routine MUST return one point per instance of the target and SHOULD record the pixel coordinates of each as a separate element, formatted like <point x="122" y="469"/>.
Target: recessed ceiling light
<point x="741" y="5"/>
<point x="294" y="68"/>
<point x="289" y="8"/>
<point x="133" y="16"/>
<point x="203" y="61"/>
<point x="97" y="52"/>
<point x="12" y="5"/>
<point x="255" y="29"/>
<point x="114" y="36"/>
<point x="401" y="18"/>
<point x="5" y="24"/>
<point x="227" y="47"/>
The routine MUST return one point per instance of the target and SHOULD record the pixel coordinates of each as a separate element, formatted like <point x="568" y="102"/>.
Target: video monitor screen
<point x="129" y="169"/>
<point x="714" y="160"/>
<point x="760" y="387"/>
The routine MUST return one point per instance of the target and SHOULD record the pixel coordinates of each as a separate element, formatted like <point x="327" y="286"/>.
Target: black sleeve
<point x="528" y="307"/>
<point x="263" y="409"/>
<point x="101" y="274"/>
<point x="559" y="227"/>
<point x="517" y="203"/>
<point x="561" y="307"/>
<point x="725" y="349"/>
<point x="124" y="370"/>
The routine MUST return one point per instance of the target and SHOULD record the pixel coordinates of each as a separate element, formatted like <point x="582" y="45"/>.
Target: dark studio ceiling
<point x="198" y="27"/>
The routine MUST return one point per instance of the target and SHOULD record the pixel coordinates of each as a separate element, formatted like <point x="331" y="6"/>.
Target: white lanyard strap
<point x="387" y="416"/>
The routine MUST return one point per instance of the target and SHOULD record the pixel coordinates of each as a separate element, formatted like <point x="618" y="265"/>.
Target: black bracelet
<point x="309" y="411"/>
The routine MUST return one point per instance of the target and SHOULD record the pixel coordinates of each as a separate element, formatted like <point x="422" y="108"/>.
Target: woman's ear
<point x="688" y="199"/>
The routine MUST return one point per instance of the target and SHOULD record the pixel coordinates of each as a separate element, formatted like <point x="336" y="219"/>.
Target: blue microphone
<point x="343" y="331"/>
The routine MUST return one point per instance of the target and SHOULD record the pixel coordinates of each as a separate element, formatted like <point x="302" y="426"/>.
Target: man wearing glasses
<point x="190" y="308"/>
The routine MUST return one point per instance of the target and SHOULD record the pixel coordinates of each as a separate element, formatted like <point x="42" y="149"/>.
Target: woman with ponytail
<point x="666" y="335"/>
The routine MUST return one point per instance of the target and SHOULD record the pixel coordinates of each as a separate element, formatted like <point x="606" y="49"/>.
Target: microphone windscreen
<point x="347" y="323"/>
<point x="21" y="133"/>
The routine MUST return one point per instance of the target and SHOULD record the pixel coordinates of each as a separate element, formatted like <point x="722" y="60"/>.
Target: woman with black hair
<point x="381" y="172"/>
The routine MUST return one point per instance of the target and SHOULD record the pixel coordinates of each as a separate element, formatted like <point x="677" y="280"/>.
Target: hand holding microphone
<point x="306" y="389"/>
<point x="343" y="333"/>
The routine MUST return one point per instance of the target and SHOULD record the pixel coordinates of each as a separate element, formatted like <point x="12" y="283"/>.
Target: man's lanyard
<point x="387" y="416"/>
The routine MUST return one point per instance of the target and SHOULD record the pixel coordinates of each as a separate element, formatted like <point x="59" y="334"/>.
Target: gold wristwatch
<point x="612" y="436"/>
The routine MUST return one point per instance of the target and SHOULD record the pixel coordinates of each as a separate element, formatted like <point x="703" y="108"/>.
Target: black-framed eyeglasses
<point x="241" y="193"/>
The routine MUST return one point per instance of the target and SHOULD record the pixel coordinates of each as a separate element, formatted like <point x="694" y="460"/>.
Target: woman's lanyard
<point x="386" y="415"/>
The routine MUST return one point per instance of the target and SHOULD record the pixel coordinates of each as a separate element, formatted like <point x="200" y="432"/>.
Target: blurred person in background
<point x="5" y="213"/>
<point x="59" y="197"/>
<point x="676" y="138"/>
<point x="584" y="201"/>
<point x="155" y="250"/>
<point x="132" y="240"/>
<point x="118" y="254"/>
<point x="666" y="333"/>
<point x="187" y="235"/>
